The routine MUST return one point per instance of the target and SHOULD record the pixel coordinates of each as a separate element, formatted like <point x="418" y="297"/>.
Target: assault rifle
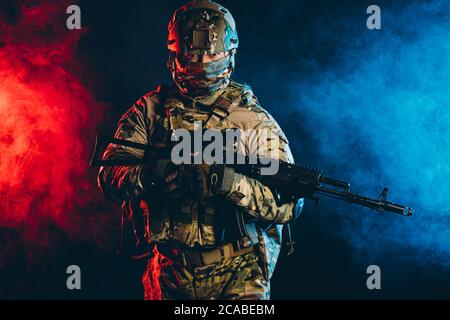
<point x="292" y="180"/>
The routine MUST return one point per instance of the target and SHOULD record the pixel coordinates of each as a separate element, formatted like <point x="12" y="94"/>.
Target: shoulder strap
<point x="230" y="98"/>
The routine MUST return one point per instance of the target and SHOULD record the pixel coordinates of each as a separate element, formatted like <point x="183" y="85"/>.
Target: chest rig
<point x="209" y="222"/>
<point x="189" y="223"/>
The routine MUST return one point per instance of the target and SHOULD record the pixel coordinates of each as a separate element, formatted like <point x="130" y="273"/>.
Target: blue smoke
<point x="379" y="114"/>
<point x="371" y="107"/>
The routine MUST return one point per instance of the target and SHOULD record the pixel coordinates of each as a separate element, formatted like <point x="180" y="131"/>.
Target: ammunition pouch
<point x="141" y="229"/>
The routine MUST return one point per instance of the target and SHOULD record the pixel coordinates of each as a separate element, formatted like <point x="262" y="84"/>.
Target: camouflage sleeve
<point x="264" y="138"/>
<point x="125" y="182"/>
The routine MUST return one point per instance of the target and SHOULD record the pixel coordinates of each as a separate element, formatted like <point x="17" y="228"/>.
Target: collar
<point x="203" y="102"/>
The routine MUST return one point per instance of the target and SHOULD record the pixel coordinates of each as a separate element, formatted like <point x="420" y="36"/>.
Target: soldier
<point x="199" y="249"/>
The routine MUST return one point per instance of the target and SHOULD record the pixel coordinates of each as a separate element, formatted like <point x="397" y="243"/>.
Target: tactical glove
<point x="190" y="180"/>
<point x="221" y="178"/>
<point x="163" y="174"/>
<point x="199" y="181"/>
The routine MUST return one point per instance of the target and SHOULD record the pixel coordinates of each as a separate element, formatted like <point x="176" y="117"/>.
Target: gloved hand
<point x="189" y="180"/>
<point x="198" y="181"/>
<point x="163" y="174"/>
<point x="178" y="181"/>
<point x="206" y="180"/>
<point x="220" y="179"/>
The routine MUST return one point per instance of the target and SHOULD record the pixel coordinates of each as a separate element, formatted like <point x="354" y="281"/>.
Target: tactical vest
<point x="190" y="223"/>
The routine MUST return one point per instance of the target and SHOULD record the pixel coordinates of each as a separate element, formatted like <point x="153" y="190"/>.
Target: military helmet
<point x="202" y="27"/>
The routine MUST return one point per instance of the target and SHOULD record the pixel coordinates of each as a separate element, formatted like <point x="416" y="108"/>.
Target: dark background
<point x="125" y="53"/>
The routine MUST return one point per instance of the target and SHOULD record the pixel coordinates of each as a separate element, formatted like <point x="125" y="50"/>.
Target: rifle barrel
<point x="374" y="204"/>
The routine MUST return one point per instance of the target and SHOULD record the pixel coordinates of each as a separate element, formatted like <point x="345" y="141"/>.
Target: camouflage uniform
<point x="195" y="255"/>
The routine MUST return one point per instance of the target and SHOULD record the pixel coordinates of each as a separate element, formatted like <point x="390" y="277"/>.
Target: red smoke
<point x="47" y="127"/>
<point x="152" y="275"/>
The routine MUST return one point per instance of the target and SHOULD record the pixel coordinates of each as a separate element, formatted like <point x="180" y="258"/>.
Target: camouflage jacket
<point x="184" y="222"/>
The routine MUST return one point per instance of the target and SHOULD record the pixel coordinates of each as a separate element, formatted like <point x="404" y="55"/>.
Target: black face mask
<point x="200" y="79"/>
